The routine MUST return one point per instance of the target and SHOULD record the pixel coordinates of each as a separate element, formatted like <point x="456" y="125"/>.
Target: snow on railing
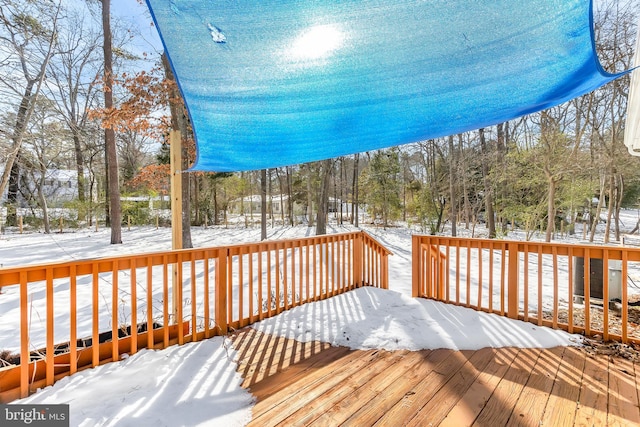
<point x="65" y="315"/>
<point x="585" y="289"/>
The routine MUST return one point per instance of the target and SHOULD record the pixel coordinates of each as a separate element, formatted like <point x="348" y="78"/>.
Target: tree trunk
<point x="463" y="172"/>
<point x="502" y="185"/>
<point x="309" y="197"/>
<point x="80" y="179"/>
<point x="12" y="191"/>
<point x="270" y="204"/>
<point x="619" y="195"/>
<point x="595" y="218"/>
<point x="453" y="212"/>
<point x="343" y="176"/>
<point x="551" y="206"/>
<point x="196" y="200"/>
<point x="107" y="210"/>
<point x="281" y="185"/>
<point x="109" y="134"/>
<point x="290" y="195"/>
<point x="42" y="201"/>
<point x="77" y="146"/>
<point x="612" y="197"/>
<point x="215" y="203"/>
<point x="323" y="197"/>
<point x="488" y="197"/>
<point x="354" y="206"/>
<point x="263" y="207"/>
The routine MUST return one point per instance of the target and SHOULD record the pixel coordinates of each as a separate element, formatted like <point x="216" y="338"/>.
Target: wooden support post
<point x="20" y="223"/>
<point x="157" y="221"/>
<point x="416" y="259"/>
<point x="128" y="222"/>
<point x="513" y="297"/>
<point x="61" y="224"/>
<point x="175" y="147"/>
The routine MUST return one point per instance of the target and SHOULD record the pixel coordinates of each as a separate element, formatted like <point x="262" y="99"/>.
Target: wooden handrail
<point x="532" y="281"/>
<point x="126" y="308"/>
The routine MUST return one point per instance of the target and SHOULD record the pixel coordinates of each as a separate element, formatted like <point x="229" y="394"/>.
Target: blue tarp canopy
<point x="270" y="83"/>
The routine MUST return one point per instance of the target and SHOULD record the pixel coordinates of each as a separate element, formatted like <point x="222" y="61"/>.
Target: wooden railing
<point x="66" y="314"/>
<point x="579" y="288"/>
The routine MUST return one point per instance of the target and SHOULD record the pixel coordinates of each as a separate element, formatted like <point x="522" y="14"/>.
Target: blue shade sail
<point x="270" y="83"/>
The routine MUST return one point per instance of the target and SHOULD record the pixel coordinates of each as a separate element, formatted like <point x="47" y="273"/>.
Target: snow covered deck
<point x="313" y="383"/>
<point x="91" y="312"/>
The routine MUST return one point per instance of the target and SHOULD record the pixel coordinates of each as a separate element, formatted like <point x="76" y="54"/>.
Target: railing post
<point x="415" y="266"/>
<point x="24" y="336"/>
<point x="384" y="271"/>
<point x="221" y="292"/>
<point x="513" y="298"/>
<point x="357" y="259"/>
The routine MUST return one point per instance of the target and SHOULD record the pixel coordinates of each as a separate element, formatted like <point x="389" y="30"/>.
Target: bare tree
<point x="615" y="29"/>
<point x="488" y="191"/>
<point x="44" y="148"/>
<point x="28" y="34"/>
<point x="71" y="83"/>
<point x="453" y="213"/>
<point x="263" y="204"/>
<point x="326" y="167"/>
<point x="355" y="198"/>
<point x="111" y="153"/>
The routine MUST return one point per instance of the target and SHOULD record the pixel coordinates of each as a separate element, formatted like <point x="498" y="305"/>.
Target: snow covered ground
<point x="197" y="384"/>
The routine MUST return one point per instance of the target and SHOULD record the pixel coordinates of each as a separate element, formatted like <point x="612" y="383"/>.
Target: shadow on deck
<point x="314" y="383"/>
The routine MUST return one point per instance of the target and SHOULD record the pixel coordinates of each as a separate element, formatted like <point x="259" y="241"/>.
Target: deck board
<point x="332" y="396"/>
<point x="533" y="399"/>
<point x="404" y="411"/>
<point x="564" y="399"/>
<point x="623" y="395"/>
<point x="475" y="398"/>
<point x="439" y="406"/>
<point x="502" y="402"/>
<point x="369" y="413"/>
<point x="316" y="384"/>
<point x="594" y="390"/>
<point x="342" y="405"/>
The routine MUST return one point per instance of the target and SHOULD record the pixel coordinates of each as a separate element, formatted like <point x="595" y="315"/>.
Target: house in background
<point x="60" y="186"/>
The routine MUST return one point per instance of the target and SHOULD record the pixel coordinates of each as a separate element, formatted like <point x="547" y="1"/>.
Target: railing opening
<point x="81" y="314"/>
<point x="579" y="288"/>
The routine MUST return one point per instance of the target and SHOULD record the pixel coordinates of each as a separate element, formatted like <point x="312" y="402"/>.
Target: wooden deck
<point x="315" y="384"/>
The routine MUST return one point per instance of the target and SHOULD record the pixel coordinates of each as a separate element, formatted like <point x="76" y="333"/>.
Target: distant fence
<point x="579" y="288"/>
<point x="75" y="315"/>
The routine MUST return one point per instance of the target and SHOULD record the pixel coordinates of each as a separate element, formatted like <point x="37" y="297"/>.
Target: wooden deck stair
<point x="315" y="384"/>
